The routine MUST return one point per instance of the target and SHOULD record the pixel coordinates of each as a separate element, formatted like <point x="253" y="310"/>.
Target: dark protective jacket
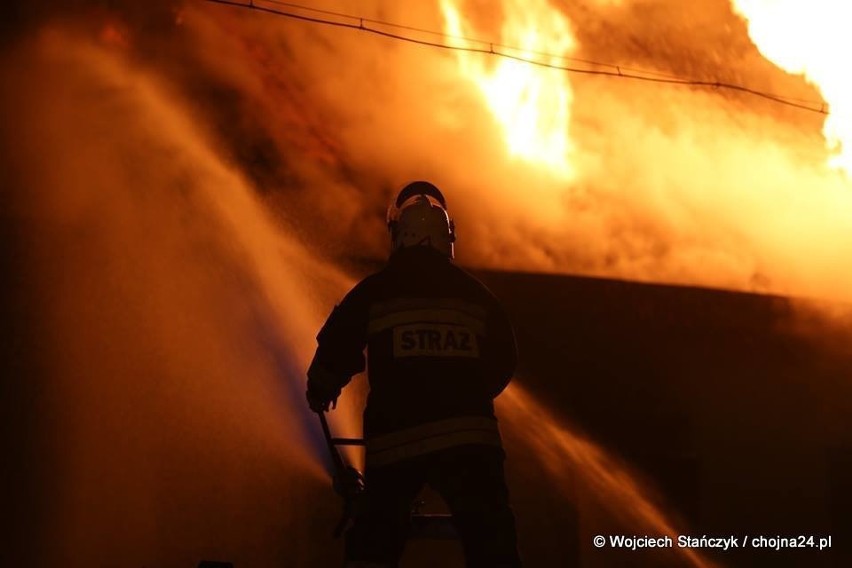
<point x="440" y="348"/>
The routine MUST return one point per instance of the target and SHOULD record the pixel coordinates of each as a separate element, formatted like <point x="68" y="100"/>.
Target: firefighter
<point x="440" y="349"/>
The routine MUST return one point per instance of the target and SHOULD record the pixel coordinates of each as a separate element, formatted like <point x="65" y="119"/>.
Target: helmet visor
<point x="396" y="207"/>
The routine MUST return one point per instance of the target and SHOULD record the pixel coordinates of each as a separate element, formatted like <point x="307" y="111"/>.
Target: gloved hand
<point x="348" y="483"/>
<point x="320" y="403"/>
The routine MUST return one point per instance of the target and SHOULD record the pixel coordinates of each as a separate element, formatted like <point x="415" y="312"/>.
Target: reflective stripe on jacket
<point x="431" y="437"/>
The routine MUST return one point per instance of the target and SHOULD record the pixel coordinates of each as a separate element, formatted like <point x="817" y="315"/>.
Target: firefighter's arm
<point x="502" y="352"/>
<point x="324" y="387"/>
<point x="339" y="355"/>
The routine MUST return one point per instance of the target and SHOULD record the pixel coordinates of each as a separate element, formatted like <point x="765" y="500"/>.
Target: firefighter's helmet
<point x="418" y="217"/>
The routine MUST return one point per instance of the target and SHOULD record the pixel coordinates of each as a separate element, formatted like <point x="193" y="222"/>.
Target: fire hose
<point x="349" y="483"/>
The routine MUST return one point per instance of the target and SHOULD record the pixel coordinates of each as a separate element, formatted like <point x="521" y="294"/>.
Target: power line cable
<point x="462" y="38"/>
<point x="489" y="48"/>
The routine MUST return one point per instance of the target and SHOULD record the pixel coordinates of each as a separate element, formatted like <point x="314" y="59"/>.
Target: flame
<point x="531" y="103"/>
<point x="810" y="39"/>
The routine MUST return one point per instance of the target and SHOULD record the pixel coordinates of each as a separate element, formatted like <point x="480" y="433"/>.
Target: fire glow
<point x="199" y="310"/>
<point x="531" y="103"/>
<point x="810" y="39"/>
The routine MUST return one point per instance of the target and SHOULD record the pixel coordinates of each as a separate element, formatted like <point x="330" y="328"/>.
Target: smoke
<point x="715" y="188"/>
<point x="172" y="321"/>
<point x="674" y="184"/>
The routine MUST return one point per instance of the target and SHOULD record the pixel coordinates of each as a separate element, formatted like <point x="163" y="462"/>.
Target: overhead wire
<point x="501" y="50"/>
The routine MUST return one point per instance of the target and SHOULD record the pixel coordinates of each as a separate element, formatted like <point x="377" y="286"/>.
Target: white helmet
<point x="418" y="217"/>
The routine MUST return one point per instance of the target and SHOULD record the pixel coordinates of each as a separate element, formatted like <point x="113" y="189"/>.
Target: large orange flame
<point x="531" y="103"/>
<point x="811" y="39"/>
